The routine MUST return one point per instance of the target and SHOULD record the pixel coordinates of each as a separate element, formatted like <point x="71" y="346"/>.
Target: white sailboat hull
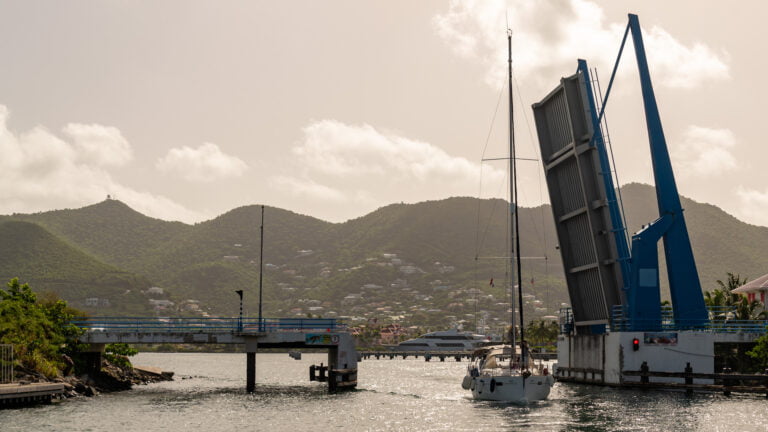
<point x="511" y="388"/>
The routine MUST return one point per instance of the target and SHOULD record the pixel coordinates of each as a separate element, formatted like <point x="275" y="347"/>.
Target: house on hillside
<point x="97" y="302"/>
<point x="391" y="333"/>
<point x="755" y="289"/>
<point x="154" y="291"/>
<point x="409" y="269"/>
<point x="160" y="305"/>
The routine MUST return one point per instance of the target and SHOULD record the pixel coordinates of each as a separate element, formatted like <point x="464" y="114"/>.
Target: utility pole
<point x="261" y="268"/>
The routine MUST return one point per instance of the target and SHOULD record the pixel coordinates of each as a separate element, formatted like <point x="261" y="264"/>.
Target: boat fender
<point x="546" y="371"/>
<point x="472" y="385"/>
<point x="493" y="385"/>
<point x="465" y="384"/>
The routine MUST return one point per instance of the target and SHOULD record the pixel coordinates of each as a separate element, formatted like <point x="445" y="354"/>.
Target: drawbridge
<point x="616" y="322"/>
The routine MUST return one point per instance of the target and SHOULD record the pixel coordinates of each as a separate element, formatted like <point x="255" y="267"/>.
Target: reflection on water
<point x="392" y="395"/>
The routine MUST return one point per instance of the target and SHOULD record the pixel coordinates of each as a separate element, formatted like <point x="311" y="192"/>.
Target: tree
<point x="541" y="332"/>
<point x="39" y="331"/>
<point x="118" y="353"/>
<point x="760" y="351"/>
<point x="733" y="305"/>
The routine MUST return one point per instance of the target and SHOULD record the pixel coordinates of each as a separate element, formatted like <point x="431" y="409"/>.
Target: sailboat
<point x="507" y="373"/>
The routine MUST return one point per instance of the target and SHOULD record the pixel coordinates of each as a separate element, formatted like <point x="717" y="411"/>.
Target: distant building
<point x="161" y="304"/>
<point x="97" y="302"/>
<point x="154" y="291"/>
<point x="409" y="269"/>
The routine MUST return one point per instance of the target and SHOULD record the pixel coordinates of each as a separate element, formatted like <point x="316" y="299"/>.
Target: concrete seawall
<point x="16" y="394"/>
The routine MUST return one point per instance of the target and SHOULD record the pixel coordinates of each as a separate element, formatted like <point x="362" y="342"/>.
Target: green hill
<point x="111" y="231"/>
<point x="36" y="256"/>
<point x="400" y="260"/>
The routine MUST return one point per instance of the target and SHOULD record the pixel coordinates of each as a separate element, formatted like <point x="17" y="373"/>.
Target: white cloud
<point x="40" y="171"/>
<point x="753" y="205"/>
<point x="307" y="188"/>
<point x="100" y="145"/>
<point x="375" y="168"/>
<point x="203" y="164"/>
<point x="705" y="152"/>
<point x="337" y="149"/>
<point x="549" y="37"/>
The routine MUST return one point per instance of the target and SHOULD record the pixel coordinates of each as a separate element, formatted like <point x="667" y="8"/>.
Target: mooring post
<point x="644" y="373"/>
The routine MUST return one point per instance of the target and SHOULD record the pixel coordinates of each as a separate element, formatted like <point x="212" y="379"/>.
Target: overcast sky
<point x="187" y="109"/>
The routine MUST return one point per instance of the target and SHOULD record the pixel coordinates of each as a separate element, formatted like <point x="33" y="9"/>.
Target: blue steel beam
<point x="684" y="284"/>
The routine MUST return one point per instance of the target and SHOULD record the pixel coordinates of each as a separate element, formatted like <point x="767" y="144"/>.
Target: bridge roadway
<point x="252" y="333"/>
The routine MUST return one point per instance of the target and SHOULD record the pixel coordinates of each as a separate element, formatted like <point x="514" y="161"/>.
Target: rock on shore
<point x="111" y="378"/>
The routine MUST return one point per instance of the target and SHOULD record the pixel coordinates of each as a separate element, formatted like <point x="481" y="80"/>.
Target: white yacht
<point x="507" y="373"/>
<point x="449" y="340"/>
<point x="496" y="375"/>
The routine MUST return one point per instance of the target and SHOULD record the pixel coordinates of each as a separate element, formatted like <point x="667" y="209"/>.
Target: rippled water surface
<point x="208" y="394"/>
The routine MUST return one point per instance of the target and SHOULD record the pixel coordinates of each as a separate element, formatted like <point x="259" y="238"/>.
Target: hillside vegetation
<point x="36" y="256"/>
<point x="402" y="260"/>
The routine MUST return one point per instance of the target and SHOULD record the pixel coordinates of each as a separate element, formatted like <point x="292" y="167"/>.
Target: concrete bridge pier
<point x="92" y="357"/>
<point x="251" y="347"/>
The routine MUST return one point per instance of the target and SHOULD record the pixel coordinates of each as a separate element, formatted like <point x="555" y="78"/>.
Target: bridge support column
<point x="92" y="358"/>
<point x="251" y="347"/>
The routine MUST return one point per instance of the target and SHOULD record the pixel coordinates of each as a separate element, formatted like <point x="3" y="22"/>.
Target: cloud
<point x="41" y="171"/>
<point x="753" y="205"/>
<point x="550" y="36"/>
<point x="375" y="168"/>
<point x="705" y="152"/>
<point x="203" y="164"/>
<point x="307" y="188"/>
<point x="100" y="145"/>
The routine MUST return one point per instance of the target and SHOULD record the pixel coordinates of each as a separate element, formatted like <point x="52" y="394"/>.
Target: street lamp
<point x="240" y="319"/>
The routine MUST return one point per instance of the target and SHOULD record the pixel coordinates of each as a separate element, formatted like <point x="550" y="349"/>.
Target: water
<point x="392" y="395"/>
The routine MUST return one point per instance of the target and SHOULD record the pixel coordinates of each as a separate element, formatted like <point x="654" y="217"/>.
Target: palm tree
<point x="736" y="306"/>
<point x="541" y="332"/>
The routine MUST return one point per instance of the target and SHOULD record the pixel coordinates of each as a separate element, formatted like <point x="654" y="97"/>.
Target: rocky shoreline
<point x="110" y="379"/>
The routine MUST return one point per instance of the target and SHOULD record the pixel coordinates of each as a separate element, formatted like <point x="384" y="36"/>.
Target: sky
<point x="186" y="109"/>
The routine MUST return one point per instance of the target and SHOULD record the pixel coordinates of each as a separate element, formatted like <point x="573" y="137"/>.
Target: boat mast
<point x="515" y="243"/>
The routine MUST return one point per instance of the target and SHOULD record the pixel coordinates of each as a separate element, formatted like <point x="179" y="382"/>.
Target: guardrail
<point x="207" y="325"/>
<point x="721" y="320"/>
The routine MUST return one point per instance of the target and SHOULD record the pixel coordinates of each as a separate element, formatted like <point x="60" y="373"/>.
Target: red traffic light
<point x="635" y="344"/>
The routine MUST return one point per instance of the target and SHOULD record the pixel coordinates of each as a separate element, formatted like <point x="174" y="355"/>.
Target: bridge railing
<point x="207" y="325"/>
<point x="721" y="320"/>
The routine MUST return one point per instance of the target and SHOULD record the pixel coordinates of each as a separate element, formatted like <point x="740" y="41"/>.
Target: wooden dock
<point x="18" y="394"/>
